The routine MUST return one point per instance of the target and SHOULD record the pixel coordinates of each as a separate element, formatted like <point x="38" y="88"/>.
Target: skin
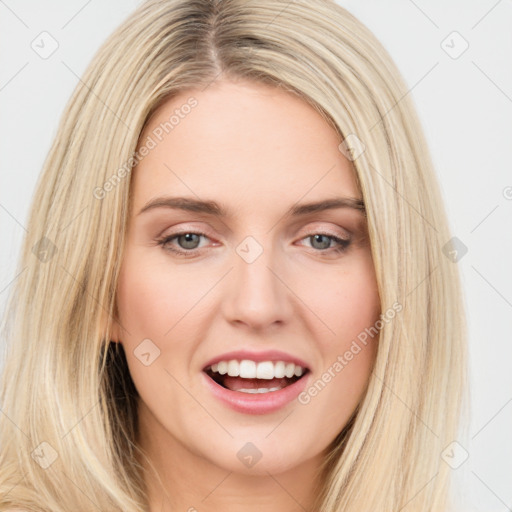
<point x="256" y="150"/>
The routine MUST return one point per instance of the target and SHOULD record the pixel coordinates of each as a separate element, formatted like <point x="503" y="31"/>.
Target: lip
<point x="267" y="355"/>
<point x="257" y="403"/>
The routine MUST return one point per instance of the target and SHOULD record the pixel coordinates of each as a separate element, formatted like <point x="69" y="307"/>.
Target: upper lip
<point x="267" y="355"/>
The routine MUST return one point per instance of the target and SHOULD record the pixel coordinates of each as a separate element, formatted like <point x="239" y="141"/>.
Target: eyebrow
<point x="215" y="209"/>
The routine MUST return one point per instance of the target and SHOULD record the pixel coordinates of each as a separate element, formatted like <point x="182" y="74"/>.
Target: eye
<point x="188" y="242"/>
<point x="322" y="242"/>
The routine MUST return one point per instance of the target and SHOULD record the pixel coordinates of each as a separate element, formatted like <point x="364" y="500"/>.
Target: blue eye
<point x="188" y="241"/>
<point x="323" y="237"/>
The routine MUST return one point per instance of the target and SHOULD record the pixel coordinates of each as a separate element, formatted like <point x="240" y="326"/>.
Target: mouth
<point x="251" y="377"/>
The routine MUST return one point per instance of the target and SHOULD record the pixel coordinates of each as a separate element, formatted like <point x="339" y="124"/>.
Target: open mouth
<point x="250" y="377"/>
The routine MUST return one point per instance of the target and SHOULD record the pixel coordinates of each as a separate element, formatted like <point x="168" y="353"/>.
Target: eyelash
<point x="164" y="242"/>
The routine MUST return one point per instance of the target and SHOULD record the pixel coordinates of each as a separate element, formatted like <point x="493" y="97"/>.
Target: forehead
<point x="242" y="141"/>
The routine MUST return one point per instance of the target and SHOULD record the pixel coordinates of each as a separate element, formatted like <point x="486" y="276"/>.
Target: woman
<point x="235" y="295"/>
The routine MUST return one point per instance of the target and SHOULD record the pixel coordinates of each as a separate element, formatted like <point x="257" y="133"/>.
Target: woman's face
<point x="225" y="262"/>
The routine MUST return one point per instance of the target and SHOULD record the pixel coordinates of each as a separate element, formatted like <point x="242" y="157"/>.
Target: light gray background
<point x="465" y="104"/>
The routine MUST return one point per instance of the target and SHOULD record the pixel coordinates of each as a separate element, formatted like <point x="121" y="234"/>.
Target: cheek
<point x="347" y="301"/>
<point x="162" y="305"/>
<point x="350" y="308"/>
<point x="141" y="305"/>
<point x="150" y="299"/>
<point x="152" y="304"/>
<point x="357" y="303"/>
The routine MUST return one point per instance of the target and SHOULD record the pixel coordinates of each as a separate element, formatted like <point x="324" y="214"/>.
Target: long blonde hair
<point x="68" y="424"/>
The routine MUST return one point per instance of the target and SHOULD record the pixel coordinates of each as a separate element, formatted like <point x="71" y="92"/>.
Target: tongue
<point x="237" y="383"/>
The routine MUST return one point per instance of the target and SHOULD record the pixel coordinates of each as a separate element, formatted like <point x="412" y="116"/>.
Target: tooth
<point x="247" y="369"/>
<point x="259" y="390"/>
<point x="289" y="370"/>
<point x="233" y="368"/>
<point x="265" y="370"/>
<point x="279" y="369"/>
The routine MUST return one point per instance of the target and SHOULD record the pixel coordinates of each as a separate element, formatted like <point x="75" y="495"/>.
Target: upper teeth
<point x="248" y="369"/>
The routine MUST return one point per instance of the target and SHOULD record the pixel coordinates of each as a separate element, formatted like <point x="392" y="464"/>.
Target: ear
<point x="115" y="334"/>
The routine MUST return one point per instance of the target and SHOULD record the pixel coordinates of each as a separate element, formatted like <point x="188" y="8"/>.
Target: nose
<point x="259" y="295"/>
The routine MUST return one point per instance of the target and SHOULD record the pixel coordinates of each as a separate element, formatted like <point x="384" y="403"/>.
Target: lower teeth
<point x="258" y="390"/>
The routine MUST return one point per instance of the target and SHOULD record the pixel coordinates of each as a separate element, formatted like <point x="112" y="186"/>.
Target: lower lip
<point x="256" y="403"/>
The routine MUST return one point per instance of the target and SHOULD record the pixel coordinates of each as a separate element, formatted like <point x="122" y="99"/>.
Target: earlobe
<point x="114" y="333"/>
<point x="112" y="323"/>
